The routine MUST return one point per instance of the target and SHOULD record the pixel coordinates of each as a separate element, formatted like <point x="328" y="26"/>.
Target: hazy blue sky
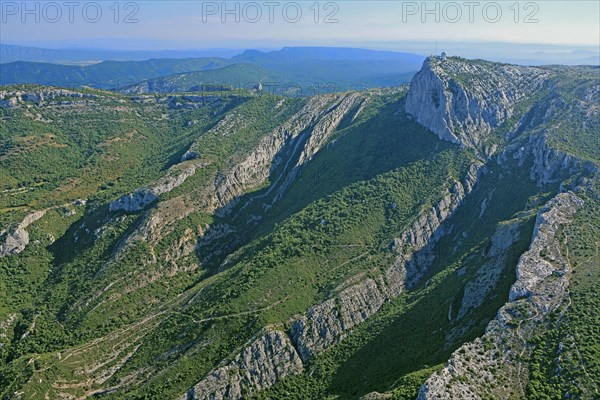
<point x="377" y="24"/>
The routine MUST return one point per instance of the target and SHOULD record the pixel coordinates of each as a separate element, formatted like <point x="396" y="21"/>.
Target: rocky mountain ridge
<point x="236" y="271"/>
<point x="463" y="101"/>
<point x="542" y="272"/>
<point x="466" y="112"/>
<point x="11" y="99"/>
<point x="305" y="133"/>
<point x="542" y="281"/>
<point x="329" y="322"/>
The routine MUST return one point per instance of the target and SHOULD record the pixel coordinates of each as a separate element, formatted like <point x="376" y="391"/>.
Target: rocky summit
<point x="437" y="240"/>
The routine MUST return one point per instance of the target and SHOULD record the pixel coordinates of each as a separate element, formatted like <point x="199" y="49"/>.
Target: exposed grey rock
<point x="143" y="197"/>
<point x="549" y="163"/>
<point x="545" y="125"/>
<point x="135" y="201"/>
<point x="31" y="97"/>
<point x="321" y="327"/>
<point x="190" y="155"/>
<point x="329" y="322"/>
<point x="255" y="167"/>
<point x="321" y="133"/>
<point x="16" y="241"/>
<point x="69" y="212"/>
<point x="544" y="256"/>
<point x="258" y="366"/>
<point x="471" y="371"/>
<point x="317" y="119"/>
<point x="416" y="244"/>
<point x="173" y="180"/>
<point x="488" y="275"/>
<point x="462" y="101"/>
<point x="11" y="99"/>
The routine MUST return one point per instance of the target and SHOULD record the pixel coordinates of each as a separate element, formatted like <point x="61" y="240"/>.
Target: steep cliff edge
<point x="528" y="117"/>
<point x="258" y="366"/>
<point x="462" y="101"/>
<point x="329" y="322"/>
<point x="514" y="110"/>
<point x="491" y="365"/>
<point x="490" y="108"/>
<point x="306" y="251"/>
<point x="305" y="132"/>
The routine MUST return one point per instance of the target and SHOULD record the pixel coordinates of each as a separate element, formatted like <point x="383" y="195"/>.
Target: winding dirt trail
<point x="234" y="315"/>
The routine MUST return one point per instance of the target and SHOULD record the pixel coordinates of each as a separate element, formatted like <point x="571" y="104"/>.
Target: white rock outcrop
<point x="258" y="366"/>
<point x="462" y="101"/>
<point x="143" y="197"/>
<point x="542" y="280"/>
<point x="11" y="99"/>
<point x="17" y="240"/>
<point x="329" y="322"/>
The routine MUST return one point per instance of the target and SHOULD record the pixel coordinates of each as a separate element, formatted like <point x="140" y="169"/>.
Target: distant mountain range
<point x="339" y="68"/>
<point x="437" y="241"/>
<point x="85" y="56"/>
<point x="305" y="70"/>
<point x="106" y="74"/>
<point x="237" y="76"/>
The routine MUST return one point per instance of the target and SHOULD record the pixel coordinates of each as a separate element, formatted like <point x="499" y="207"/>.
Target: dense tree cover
<point x="85" y="300"/>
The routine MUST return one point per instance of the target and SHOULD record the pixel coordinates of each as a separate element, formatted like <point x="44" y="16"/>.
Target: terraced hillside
<point x="242" y="245"/>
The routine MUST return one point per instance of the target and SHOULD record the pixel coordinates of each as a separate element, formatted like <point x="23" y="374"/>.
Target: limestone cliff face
<point x="258" y="366"/>
<point x="462" y="101"/>
<point x="317" y="120"/>
<point x="305" y="133"/>
<point x="321" y="133"/>
<point x="550" y="165"/>
<point x="143" y="197"/>
<point x="466" y="102"/>
<point x="11" y="99"/>
<point x="544" y="257"/>
<point x="488" y="274"/>
<point x="542" y="280"/>
<point x="135" y="201"/>
<point x="329" y="322"/>
<point x="17" y="240"/>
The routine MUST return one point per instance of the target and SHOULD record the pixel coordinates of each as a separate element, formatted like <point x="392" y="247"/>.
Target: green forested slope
<point x="143" y="303"/>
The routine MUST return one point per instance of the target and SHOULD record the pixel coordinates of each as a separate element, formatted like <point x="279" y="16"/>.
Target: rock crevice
<point x="258" y="366"/>
<point x="542" y="280"/>
<point x="462" y="101"/>
<point x="329" y="322"/>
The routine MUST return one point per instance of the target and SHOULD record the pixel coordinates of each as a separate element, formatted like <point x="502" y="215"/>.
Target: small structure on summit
<point x="442" y="56"/>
